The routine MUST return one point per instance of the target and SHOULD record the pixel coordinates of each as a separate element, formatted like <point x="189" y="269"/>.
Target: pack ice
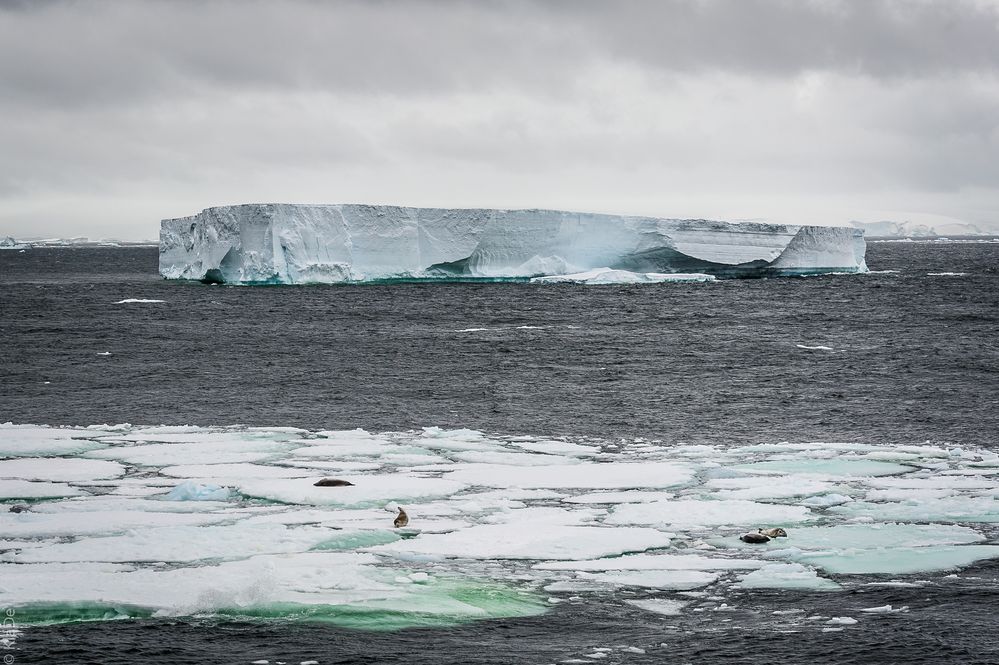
<point x="298" y="244"/>
<point x="121" y="520"/>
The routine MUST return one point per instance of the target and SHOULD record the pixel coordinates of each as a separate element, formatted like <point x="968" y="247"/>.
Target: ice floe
<point x="580" y="476"/>
<point x="694" y="513"/>
<point x="59" y="469"/>
<point x="786" y="576"/>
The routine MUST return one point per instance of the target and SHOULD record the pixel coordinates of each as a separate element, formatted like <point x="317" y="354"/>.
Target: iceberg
<point x="299" y="244"/>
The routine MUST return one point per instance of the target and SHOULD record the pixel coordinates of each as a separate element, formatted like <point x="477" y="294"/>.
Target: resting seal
<point x="333" y="482"/>
<point x="401" y="520"/>
<point x="754" y="537"/>
<point x="775" y="532"/>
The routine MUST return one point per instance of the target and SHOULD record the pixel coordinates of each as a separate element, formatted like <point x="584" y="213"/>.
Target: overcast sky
<point x="115" y="114"/>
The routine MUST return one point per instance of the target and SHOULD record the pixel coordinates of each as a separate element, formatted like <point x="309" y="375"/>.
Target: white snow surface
<point x="183" y="519"/>
<point x="295" y="244"/>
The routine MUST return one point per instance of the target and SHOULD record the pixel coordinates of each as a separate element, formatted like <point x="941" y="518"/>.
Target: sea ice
<point x="59" y="469"/>
<point x="519" y="541"/>
<point x="755" y="488"/>
<point x="182" y="543"/>
<point x="234" y="471"/>
<point x="786" y="576"/>
<point x="954" y="509"/>
<point x="693" y="512"/>
<point x="654" y="562"/>
<point x="863" y="536"/>
<point x="339" y="587"/>
<point x="832" y="468"/>
<point x="25" y="489"/>
<point x="676" y="580"/>
<point x="611" y="475"/>
<point x="213" y="450"/>
<point x="899" y="560"/>
<point x="36" y="525"/>
<point x="368" y="490"/>
<point x="192" y="491"/>
<point x="36" y="441"/>
<point x="664" y="606"/>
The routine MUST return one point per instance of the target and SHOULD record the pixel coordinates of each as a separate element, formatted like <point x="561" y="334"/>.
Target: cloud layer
<point x="116" y="113"/>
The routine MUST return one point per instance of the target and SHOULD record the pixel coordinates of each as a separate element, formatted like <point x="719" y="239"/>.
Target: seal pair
<point x="763" y="535"/>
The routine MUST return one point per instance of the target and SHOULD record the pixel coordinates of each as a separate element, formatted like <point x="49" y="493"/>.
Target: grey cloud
<point x="67" y="53"/>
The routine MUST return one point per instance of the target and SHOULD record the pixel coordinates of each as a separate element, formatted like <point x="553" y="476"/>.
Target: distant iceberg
<point x="10" y="243"/>
<point x="300" y="244"/>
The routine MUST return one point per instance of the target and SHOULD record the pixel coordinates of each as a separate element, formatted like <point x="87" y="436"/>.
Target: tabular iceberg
<point x="297" y="244"/>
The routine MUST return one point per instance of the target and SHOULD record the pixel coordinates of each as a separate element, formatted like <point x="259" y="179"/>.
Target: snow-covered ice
<point x="295" y="244"/>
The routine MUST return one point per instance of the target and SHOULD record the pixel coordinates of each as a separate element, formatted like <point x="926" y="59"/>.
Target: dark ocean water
<point x="915" y="358"/>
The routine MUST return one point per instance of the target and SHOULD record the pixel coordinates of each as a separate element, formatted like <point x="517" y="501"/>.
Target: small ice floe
<point x="842" y="621"/>
<point x="663" y="606"/>
<point x="104" y="353"/>
<point x="128" y="301"/>
<point x="885" y="609"/>
<point x="814" y="348"/>
<point x="946" y="274"/>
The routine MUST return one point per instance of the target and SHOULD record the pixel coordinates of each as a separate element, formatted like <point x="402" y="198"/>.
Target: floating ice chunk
<point x="693" y="512"/>
<point x="35" y="524"/>
<point x="956" y="509"/>
<point x="611" y="475"/>
<point x="368" y="490"/>
<point x="59" y="469"/>
<point x="786" y="576"/>
<point x="814" y="348"/>
<point x="519" y="541"/>
<point x="127" y="301"/>
<point x="837" y="467"/>
<point x="38" y="441"/>
<point x="899" y="560"/>
<point x="192" y="491"/>
<point x="664" y="606"/>
<point x="610" y="276"/>
<point x="654" y="562"/>
<point x="677" y="580"/>
<point x="885" y="609"/>
<point x="25" y="489"/>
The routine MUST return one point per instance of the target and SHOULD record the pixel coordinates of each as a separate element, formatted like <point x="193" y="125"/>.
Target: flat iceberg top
<point x="279" y="243"/>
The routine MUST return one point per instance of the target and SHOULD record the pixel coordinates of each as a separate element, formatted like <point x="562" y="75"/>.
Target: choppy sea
<point x="577" y="463"/>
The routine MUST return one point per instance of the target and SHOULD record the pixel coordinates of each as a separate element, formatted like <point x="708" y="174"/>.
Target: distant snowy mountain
<point x="889" y="229"/>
